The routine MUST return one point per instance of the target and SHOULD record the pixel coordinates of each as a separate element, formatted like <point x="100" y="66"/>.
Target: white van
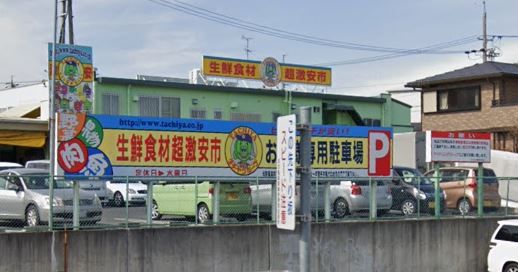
<point x="96" y="186"/>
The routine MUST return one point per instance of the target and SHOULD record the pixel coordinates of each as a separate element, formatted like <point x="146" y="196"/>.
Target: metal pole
<point x="507" y="198"/>
<point x="305" y="184"/>
<point x="127" y="201"/>
<point x="70" y="22"/>
<point x="257" y="200"/>
<point x="76" y="205"/>
<point x="196" y="200"/>
<point x="437" y="191"/>
<point x="373" y="209"/>
<point x="149" y="203"/>
<point x="480" y="189"/>
<point x="327" y="207"/>
<point x="274" y="202"/>
<point x="52" y="135"/>
<point x="216" y="202"/>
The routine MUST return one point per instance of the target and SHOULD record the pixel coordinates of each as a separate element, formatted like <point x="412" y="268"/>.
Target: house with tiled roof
<point x="481" y="97"/>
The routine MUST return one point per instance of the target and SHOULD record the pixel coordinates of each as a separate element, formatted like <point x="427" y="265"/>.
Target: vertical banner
<point x="73" y="91"/>
<point x="73" y="99"/>
<point x="286" y="162"/>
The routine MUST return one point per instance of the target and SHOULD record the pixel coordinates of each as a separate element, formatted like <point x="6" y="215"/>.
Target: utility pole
<point x="247" y="49"/>
<point x="484" y="33"/>
<point x="304" y="127"/>
<point x="66" y="14"/>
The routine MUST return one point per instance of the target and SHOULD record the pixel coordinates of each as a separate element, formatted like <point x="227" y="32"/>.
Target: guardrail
<point x="28" y="204"/>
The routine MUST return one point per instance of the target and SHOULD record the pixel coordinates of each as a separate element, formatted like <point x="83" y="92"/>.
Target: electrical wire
<point x="270" y="31"/>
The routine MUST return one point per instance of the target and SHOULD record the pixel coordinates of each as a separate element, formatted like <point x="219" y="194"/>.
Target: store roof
<point x="149" y="83"/>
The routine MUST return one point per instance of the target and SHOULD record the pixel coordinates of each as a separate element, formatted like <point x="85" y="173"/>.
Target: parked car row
<point x="408" y="192"/>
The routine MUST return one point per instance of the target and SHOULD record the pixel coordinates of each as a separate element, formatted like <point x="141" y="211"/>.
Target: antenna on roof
<point x="247" y="49"/>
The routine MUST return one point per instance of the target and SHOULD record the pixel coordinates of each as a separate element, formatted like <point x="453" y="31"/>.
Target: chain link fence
<point x="136" y="202"/>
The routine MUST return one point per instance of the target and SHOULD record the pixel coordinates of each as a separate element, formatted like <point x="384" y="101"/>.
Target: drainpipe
<point x="128" y="99"/>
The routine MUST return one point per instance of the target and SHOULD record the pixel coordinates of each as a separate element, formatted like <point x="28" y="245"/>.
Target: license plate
<point x="488" y="203"/>
<point x="431" y="205"/>
<point x="232" y="196"/>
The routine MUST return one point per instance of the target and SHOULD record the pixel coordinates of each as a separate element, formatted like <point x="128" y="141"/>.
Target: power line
<point x="270" y="31"/>
<point x="466" y="40"/>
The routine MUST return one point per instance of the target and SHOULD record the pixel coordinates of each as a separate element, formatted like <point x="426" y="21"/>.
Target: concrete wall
<point x="404" y="245"/>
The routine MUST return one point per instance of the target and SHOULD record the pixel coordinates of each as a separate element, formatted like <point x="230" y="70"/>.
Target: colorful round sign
<point x="270" y="72"/>
<point x="72" y="156"/>
<point x="243" y="151"/>
<point x="71" y="71"/>
<point x="92" y="133"/>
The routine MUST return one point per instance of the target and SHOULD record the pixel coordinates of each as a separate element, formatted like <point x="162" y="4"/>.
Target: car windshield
<point x="412" y="176"/>
<point x="42" y="182"/>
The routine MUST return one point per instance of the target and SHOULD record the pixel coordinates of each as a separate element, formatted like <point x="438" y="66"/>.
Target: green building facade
<point x="135" y="97"/>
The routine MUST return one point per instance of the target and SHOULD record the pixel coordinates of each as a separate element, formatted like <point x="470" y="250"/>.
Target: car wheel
<point x="202" y="213"/>
<point x="408" y="207"/>
<point x="464" y="206"/>
<point x="512" y="267"/>
<point x="118" y="199"/>
<point x="340" y="208"/>
<point x="155" y="215"/>
<point x="32" y="216"/>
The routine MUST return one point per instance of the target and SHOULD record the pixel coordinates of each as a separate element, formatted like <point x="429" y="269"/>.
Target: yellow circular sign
<point x="243" y="151"/>
<point x="71" y="71"/>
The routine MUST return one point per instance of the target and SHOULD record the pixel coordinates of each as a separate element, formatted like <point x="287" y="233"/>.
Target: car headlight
<point x="419" y="194"/>
<point x="56" y="203"/>
<point x="131" y="191"/>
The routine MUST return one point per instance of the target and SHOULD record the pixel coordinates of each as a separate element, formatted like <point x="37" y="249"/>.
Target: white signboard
<point x="458" y="146"/>
<point x="286" y="165"/>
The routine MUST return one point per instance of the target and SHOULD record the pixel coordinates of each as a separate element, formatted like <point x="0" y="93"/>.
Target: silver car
<point x="345" y="197"/>
<point x="24" y="195"/>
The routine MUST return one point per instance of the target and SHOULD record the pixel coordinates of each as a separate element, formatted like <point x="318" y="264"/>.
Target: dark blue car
<point x="413" y="192"/>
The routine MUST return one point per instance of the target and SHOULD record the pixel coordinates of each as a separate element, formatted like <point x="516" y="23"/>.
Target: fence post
<point x="480" y="190"/>
<point x="76" y="211"/>
<point x="149" y="203"/>
<point x="274" y="202"/>
<point x="127" y="201"/>
<point x="52" y="178"/>
<point x="373" y="209"/>
<point x="507" y="197"/>
<point x="417" y="198"/>
<point x="257" y="200"/>
<point x="437" y="191"/>
<point x="327" y="204"/>
<point x="196" y="200"/>
<point x="216" y="202"/>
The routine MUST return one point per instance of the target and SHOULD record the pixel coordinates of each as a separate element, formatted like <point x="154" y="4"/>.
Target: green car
<point x="182" y="200"/>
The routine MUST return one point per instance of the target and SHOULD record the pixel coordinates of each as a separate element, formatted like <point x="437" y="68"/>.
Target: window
<point x="149" y="106"/>
<point x="467" y="98"/>
<point x="372" y="122"/>
<point x="507" y="233"/>
<point x="245" y="117"/>
<point x="170" y="107"/>
<point x="218" y="114"/>
<point x="198" y="114"/>
<point x="110" y="104"/>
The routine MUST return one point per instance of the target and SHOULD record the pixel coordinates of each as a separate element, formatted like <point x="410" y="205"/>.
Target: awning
<point x="22" y="138"/>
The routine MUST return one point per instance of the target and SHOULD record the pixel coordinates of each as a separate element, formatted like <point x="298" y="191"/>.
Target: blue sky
<point x="132" y="37"/>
